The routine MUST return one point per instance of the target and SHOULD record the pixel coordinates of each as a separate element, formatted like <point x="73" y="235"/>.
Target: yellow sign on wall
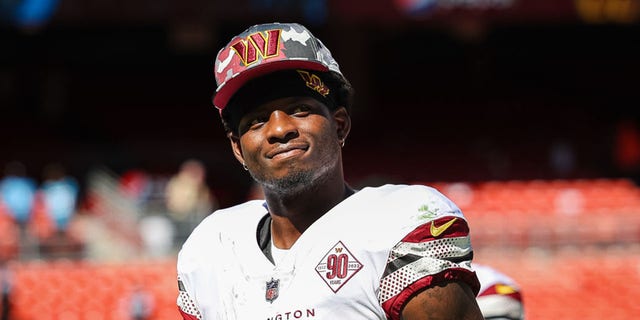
<point x="608" y="11"/>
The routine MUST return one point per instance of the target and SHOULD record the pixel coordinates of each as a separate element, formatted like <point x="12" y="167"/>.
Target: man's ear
<point x="343" y="123"/>
<point x="235" y="147"/>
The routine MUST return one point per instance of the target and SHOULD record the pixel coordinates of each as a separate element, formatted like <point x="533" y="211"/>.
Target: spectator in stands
<point x="188" y="198"/>
<point x="18" y="192"/>
<point x="500" y="297"/>
<point x="60" y="195"/>
<point x="157" y="233"/>
<point x="54" y="211"/>
<point x="136" y="185"/>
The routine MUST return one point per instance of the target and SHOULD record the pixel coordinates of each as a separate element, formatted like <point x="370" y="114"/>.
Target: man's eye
<point x="252" y="123"/>
<point x="301" y="110"/>
<point x="256" y="121"/>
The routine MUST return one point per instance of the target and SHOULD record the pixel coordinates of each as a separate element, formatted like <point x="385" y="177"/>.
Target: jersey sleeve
<point x="186" y="304"/>
<point x="437" y="250"/>
<point x="188" y="264"/>
<point x="203" y="283"/>
<point x="501" y="301"/>
<point x="500" y="296"/>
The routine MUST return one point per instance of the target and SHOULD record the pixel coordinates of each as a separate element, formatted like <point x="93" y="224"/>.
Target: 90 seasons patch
<point x="338" y="266"/>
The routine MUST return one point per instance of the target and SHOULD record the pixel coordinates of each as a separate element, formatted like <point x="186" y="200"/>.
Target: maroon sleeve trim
<point x="444" y="227"/>
<point x="393" y="307"/>
<point x="187" y="316"/>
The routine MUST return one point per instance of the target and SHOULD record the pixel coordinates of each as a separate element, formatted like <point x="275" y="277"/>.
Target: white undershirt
<point x="277" y="253"/>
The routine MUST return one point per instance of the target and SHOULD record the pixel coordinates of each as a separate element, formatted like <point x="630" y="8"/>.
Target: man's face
<point x="290" y="144"/>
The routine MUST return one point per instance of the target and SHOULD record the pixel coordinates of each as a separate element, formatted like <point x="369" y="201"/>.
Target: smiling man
<point x="315" y="248"/>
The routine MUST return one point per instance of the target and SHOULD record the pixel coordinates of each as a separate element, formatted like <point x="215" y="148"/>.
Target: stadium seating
<point x="580" y="284"/>
<point x="571" y="244"/>
<point x="84" y="290"/>
<point x="549" y="212"/>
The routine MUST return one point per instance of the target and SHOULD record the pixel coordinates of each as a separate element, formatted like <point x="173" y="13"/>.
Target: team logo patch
<point x="265" y="45"/>
<point x="272" y="291"/>
<point x="338" y="266"/>
<point x="314" y="82"/>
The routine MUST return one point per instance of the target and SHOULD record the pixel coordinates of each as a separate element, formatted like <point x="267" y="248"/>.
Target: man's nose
<point x="281" y="126"/>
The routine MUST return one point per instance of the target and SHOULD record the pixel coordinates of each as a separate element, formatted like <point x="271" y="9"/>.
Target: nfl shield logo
<point x="272" y="290"/>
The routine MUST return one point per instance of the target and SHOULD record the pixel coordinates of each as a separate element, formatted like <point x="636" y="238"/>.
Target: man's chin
<point x="292" y="183"/>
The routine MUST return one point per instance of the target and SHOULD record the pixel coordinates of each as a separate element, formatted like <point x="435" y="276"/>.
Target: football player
<point x="315" y="248"/>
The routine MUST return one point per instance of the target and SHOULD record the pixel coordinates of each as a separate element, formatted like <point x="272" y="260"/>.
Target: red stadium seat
<point x="86" y="290"/>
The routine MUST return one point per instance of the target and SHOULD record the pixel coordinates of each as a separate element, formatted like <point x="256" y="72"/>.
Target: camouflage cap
<point x="266" y="48"/>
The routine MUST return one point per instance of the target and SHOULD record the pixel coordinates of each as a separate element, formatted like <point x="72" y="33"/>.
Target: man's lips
<point x="286" y="150"/>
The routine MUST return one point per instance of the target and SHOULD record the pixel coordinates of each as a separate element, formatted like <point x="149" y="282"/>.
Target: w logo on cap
<point x="314" y="82"/>
<point x="265" y="44"/>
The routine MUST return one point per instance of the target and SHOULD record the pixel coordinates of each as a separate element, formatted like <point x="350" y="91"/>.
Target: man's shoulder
<point x="247" y="207"/>
<point x="403" y="204"/>
<point x="396" y="194"/>
<point x="228" y="219"/>
<point x="223" y="217"/>
<point x="396" y="188"/>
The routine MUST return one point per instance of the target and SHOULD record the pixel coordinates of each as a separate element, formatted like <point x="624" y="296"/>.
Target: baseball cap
<point x="266" y="48"/>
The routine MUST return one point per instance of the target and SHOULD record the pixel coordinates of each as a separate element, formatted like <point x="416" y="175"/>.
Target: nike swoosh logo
<point x="436" y="231"/>
<point x="505" y="289"/>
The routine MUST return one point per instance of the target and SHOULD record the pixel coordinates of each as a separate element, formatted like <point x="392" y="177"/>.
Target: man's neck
<point x="293" y="215"/>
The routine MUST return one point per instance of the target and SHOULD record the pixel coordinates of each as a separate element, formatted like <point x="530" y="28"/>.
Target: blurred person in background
<point x="500" y="297"/>
<point x="188" y="197"/>
<point x="157" y="233"/>
<point x="60" y="194"/>
<point x="57" y="199"/>
<point x="136" y="185"/>
<point x="18" y="192"/>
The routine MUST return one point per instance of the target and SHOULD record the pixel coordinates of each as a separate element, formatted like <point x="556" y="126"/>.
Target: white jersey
<point x="363" y="259"/>
<point x="500" y="296"/>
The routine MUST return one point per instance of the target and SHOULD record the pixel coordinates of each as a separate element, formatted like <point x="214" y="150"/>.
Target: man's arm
<point x="450" y="300"/>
